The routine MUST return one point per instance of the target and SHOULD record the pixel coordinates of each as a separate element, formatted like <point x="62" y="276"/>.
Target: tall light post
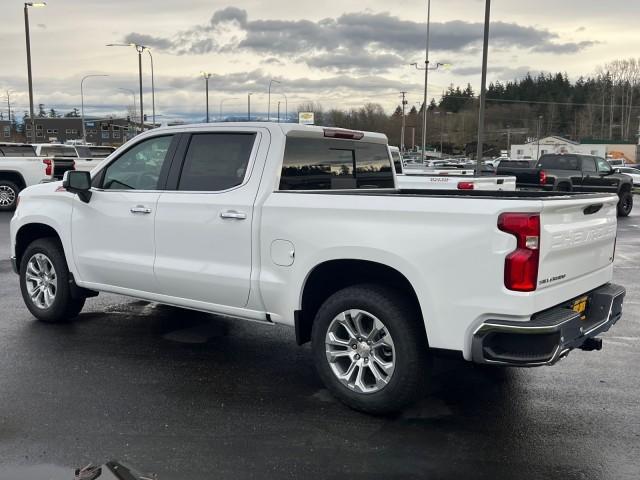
<point x="426" y="69"/>
<point x="206" y="76"/>
<point x="139" y="49"/>
<point x="483" y="87"/>
<point x="272" y="81"/>
<point x="249" y="106"/>
<point x="84" y="130"/>
<point x="222" y="103"/>
<point x="153" y="90"/>
<point x="28" y="39"/>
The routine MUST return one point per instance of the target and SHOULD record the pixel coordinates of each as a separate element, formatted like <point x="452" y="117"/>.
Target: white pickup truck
<point x="446" y="179"/>
<point x="302" y="226"/>
<point x="21" y="167"/>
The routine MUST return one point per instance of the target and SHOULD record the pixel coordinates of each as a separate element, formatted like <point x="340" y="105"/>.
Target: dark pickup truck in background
<point x="573" y="173"/>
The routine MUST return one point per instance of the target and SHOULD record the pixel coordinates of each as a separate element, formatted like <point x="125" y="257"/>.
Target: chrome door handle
<point x="140" y="209"/>
<point x="232" y="214"/>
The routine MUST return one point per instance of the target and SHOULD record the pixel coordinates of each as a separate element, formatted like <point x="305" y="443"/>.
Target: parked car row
<point x="23" y="165"/>
<point x="573" y="173"/>
<point x="302" y="226"/>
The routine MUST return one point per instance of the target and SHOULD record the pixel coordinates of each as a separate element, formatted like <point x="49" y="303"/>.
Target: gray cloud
<point x="149" y="40"/>
<point x="352" y="42"/>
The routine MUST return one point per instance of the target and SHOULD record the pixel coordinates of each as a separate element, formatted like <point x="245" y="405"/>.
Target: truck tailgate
<point x="577" y="238"/>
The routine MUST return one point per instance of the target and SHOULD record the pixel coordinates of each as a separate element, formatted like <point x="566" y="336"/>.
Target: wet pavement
<point x="187" y="395"/>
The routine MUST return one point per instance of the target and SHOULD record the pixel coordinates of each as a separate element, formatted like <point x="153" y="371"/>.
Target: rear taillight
<point x="543" y="177"/>
<point x="466" y="186"/>
<point x="521" y="265"/>
<point x="48" y="169"/>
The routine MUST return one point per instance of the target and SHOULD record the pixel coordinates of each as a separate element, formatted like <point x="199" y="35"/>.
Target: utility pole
<point x="509" y="140"/>
<point x="206" y="76"/>
<point x="278" y="112"/>
<point x="426" y="82"/>
<point x="483" y="88"/>
<point x="404" y="103"/>
<point x="30" y="77"/>
<point x="249" y="107"/>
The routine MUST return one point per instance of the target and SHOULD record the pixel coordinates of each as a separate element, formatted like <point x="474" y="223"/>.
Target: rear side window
<point x="17" y="151"/>
<point x="588" y="164"/>
<point x="327" y="164"/>
<point x="216" y="161"/>
<point x="559" y="162"/>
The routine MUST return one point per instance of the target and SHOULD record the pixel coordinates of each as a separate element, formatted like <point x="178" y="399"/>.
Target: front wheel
<point x="625" y="205"/>
<point x="370" y="349"/>
<point x="44" y="283"/>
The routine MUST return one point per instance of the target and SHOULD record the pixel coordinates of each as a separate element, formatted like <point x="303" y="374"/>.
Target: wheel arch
<point x="30" y="232"/>
<point x="14" y="177"/>
<point x="330" y="276"/>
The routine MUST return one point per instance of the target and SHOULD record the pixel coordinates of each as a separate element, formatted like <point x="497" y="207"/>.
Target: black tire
<point x="625" y="205"/>
<point x="412" y="362"/>
<point x="64" y="307"/>
<point x="8" y="195"/>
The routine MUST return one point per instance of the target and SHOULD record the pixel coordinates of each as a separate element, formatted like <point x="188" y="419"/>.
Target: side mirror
<point x="617" y="170"/>
<point x="78" y="183"/>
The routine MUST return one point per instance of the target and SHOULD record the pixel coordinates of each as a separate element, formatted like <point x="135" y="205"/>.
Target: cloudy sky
<point x="338" y="52"/>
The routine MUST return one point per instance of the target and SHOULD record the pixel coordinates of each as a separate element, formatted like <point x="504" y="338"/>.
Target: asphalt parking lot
<point x="185" y="395"/>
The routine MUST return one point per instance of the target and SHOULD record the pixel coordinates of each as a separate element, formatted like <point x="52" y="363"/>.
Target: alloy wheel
<point x="360" y="351"/>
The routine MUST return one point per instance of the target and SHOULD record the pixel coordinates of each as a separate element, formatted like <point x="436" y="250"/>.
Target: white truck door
<point x="113" y="234"/>
<point x="204" y="220"/>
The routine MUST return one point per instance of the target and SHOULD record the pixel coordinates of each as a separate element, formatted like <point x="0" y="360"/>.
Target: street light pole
<point x="272" y="81"/>
<point x="249" y="107"/>
<point x="279" y="111"/>
<point x="483" y="87"/>
<point x="206" y="76"/>
<point x="139" y="49"/>
<point x="153" y="90"/>
<point x="402" y="128"/>
<point x="426" y="83"/>
<point x="30" y="78"/>
<point x="84" y="131"/>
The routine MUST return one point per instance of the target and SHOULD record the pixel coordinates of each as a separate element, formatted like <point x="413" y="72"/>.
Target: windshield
<point x="559" y="162"/>
<point x="57" y="151"/>
<point x="101" y="152"/>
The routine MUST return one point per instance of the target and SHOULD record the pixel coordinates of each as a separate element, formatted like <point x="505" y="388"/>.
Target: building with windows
<point x="106" y="131"/>
<point x="110" y="131"/>
<point x="534" y="149"/>
<point x="54" y="130"/>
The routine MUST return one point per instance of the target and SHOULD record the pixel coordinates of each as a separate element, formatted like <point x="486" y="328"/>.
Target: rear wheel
<point x="370" y="349"/>
<point x="8" y="195"/>
<point x="44" y="282"/>
<point x="625" y="205"/>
